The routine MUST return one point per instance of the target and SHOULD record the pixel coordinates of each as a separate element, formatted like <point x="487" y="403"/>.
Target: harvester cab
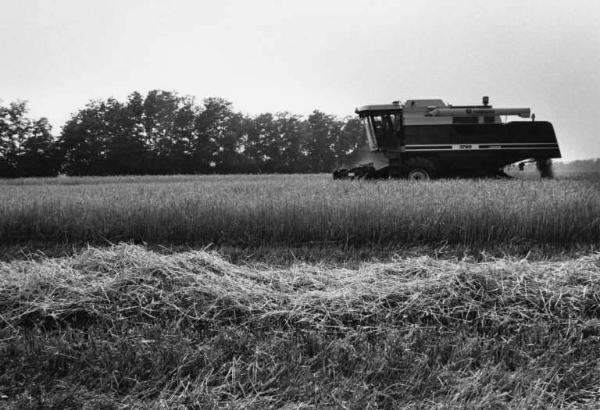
<point x="383" y="125"/>
<point x="423" y="139"/>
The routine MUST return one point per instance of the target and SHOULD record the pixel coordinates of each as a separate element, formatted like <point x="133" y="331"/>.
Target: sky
<point x="301" y="55"/>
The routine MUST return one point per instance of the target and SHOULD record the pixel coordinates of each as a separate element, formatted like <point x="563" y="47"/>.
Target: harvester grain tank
<point x="423" y="139"/>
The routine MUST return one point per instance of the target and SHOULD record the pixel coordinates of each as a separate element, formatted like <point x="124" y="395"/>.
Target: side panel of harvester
<point x="460" y="147"/>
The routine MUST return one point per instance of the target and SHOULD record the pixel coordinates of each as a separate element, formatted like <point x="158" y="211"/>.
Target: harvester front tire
<point x="420" y="169"/>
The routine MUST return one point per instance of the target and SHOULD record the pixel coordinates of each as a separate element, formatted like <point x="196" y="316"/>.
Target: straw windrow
<point x="131" y="326"/>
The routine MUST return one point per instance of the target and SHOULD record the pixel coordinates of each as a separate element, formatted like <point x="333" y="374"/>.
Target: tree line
<point x="167" y="133"/>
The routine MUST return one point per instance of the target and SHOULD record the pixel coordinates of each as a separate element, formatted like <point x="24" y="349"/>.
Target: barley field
<point x="299" y="210"/>
<point x="299" y="292"/>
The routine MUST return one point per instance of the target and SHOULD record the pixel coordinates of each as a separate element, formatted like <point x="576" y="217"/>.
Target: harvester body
<point x="424" y="139"/>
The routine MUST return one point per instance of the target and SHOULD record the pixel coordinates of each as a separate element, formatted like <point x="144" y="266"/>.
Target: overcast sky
<point x="302" y="55"/>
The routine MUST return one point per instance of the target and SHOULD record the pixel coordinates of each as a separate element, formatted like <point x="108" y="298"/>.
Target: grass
<point x="128" y="327"/>
<point x="299" y="210"/>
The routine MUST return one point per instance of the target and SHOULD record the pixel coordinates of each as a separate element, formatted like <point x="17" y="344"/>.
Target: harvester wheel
<point x="544" y="165"/>
<point x="420" y="169"/>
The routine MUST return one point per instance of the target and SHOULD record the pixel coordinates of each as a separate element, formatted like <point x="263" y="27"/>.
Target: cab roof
<point x="383" y="107"/>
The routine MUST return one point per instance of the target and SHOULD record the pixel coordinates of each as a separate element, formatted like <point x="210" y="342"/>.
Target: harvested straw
<point x="125" y="325"/>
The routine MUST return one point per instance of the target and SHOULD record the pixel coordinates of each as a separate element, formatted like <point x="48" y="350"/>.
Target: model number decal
<point x="465" y="146"/>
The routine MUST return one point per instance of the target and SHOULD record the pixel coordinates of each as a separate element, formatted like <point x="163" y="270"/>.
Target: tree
<point x="164" y="133"/>
<point x="165" y="128"/>
<point x="289" y="143"/>
<point x="143" y="135"/>
<point x="348" y="138"/>
<point x="39" y="154"/>
<point x="260" y="143"/>
<point x="218" y="137"/>
<point x="319" y="141"/>
<point x="27" y="147"/>
<point x="85" y="139"/>
<point x="14" y="128"/>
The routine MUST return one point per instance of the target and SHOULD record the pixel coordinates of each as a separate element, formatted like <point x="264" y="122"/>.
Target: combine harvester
<point x="424" y="139"/>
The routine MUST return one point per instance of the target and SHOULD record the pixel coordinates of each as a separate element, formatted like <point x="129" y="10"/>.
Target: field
<point x="300" y="210"/>
<point x="299" y="292"/>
